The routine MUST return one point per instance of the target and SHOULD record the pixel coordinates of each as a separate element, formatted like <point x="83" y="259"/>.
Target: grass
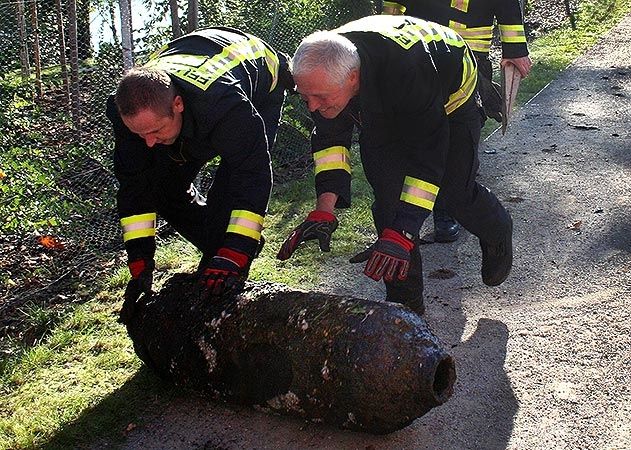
<point x="84" y="384"/>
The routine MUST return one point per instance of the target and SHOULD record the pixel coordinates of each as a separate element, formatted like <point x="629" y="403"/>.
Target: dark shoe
<point x="416" y="304"/>
<point x="446" y="229"/>
<point x="497" y="259"/>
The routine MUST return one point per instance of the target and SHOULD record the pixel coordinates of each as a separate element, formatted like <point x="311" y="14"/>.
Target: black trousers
<point x="203" y="222"/>
<point x="474" y="206"/>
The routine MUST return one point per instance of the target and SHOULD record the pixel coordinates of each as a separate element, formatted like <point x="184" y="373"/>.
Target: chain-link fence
<point x="59" y="61"/>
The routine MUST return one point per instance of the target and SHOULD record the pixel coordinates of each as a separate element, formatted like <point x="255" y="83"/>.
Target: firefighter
<point x="408" y="85"/>
<point x="213" y="93"/>
<point x="473" y="20"/>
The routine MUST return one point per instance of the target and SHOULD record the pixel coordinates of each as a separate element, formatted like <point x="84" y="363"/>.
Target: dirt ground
<point x="544" y="360"/>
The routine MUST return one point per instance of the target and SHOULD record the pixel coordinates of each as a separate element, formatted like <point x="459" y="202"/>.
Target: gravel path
<point x="544" y="361"/>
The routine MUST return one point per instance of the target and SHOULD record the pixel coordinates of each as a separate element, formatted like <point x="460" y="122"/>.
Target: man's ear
<point x="353" y="79"/>
<point x="178" y="104"/>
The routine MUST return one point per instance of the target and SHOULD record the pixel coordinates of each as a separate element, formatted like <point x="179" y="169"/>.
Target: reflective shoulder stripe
<point x="403" y="31"/>
<point x="467" y="86"/>
<point x="245" y="223"/>
<point x="138" y="226"/>
<point x="512" y="34"/>
<point x="202" y="71"/>
<point x="391" y="7"/>
<point x="460" y="5"/>
<point x="419" y="193"/>
<point x="332" y="158"/>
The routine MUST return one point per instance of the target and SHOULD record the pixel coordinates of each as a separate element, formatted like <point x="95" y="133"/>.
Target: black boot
<point x="497" y="258"/>
<point x="410" y="291"/>
<point x="446" y="229"/>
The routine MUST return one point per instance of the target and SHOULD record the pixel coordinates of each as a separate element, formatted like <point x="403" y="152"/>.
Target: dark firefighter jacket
<point x="221" y="74"/>
<point x="473" y="20"/>
<point x="413" y="74"/>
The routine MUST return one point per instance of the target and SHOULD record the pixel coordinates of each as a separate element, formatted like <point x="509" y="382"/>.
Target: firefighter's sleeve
<point x="424" y="137"/>
<point x="511" y="25"/>
<point x="330" y="147"/>
<point x="136" y="209"/>
<point x="240" y="137"/>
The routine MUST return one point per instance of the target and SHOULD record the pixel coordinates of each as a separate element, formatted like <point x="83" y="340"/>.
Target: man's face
<point x="324" y="96"/>
<point x="156" y="128"/>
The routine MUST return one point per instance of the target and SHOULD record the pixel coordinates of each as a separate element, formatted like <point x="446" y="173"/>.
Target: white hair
<point x="328" y="50"/>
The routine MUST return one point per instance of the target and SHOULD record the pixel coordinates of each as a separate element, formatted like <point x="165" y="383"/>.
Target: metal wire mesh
<point x="57" y="204"/>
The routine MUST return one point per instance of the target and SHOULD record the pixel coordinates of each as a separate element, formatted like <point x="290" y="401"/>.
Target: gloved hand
<point x="390" y="257"/>
<point x="141" y="279"/>
<point x="318" y="225"/>
<point x="225" y="273"/>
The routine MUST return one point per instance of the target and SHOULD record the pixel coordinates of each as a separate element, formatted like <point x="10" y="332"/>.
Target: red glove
<point x="390" y="257"/>
<point x="318" y="225"/>
<point x="226" y="272"/>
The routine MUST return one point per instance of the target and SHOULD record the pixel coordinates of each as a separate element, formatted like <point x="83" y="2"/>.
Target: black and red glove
<point x="389" y="257"/>
<point x="226" y="272"/>
<point x="318" y="225"/>
<point x="141" y="280"/>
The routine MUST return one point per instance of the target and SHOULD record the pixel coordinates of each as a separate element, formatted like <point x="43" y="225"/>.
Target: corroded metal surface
<point x="358" y="364"/>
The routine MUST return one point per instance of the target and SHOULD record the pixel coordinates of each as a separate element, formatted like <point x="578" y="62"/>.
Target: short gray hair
<point x="329" y="50"/>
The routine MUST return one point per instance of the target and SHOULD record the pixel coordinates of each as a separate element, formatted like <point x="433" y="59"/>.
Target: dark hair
<point x="145" y="88"/>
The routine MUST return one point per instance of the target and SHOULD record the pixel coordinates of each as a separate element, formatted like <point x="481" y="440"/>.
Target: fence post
<point x="21" y="21"/>
<point x="62" y="53"/>
<point x="36" y="50"/>
<point x="75" y="104"/>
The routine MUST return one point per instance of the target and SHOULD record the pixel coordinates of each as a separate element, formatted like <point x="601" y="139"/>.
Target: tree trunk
<point x="63" y="63"/>
<point x="175" y="19"/>
<point x="21" y="21"/>
<point x="126" y="34"/>
<point x="83" y="29"/>
<point x="75" y="103"/>
<point x="36" y="50"/>
<point x="193" y="15"/>
<point x="113" y="21"/>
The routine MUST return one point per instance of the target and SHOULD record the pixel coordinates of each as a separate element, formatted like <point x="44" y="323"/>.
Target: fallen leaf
<point x="442" y="274"/>
<point x="576" y="225"/>
<point x="51" y="242"/>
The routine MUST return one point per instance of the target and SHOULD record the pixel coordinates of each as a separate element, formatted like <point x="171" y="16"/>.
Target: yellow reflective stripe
<point x="469" y="79"/>
<point x="472" y="33"/>
<point x="479" y="46"/>
<point x="460" y="5"/>
<point x="202" y="71"/>
<point x="332" y="158"/>
<point x="403" y="32"/>
<point x="419" y="193"/>
<point x="245" y="223"/>
<point x="140" y="225"/>
<point x="271" y="59"/>
<point x="512" y="34"/>
<point x="393" y="8"/>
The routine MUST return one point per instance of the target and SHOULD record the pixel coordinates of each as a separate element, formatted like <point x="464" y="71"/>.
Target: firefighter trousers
<point x="474" y="206"/>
